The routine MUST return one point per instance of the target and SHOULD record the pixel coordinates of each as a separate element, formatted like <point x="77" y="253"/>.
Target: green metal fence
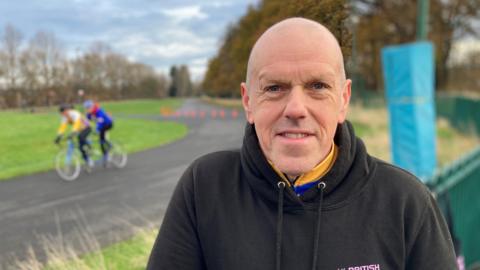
<point x="456" y="185"/>
<point x="463" y="113"/>
<point x="460" y="182"/>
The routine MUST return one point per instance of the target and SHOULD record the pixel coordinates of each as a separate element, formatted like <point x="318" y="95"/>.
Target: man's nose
<point x="295" y="107"/>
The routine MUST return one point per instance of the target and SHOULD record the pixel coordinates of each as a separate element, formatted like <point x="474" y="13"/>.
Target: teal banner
<point x="409" y="84"/>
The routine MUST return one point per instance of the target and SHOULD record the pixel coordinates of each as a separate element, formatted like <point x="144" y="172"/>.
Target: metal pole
<point x="422" y="19"/>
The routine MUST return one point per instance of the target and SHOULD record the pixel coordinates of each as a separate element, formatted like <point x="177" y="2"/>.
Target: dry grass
<point x="81" y="250"/>
<point x="371" y="124"/>
<point x="452" y="144"/>
<point x="57" y="250"/>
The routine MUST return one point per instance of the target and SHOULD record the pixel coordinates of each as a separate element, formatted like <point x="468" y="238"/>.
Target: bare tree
<point x="185" y="84"/>
<point x="47" y="52"/>
<point x="40" y="74"/>
<point x="29" y="68"/>
<point x="115" y="72"/>
<point x="465" y="76"/>
<point x="180" y="83"/>
<point x="2" y="67"/>
<point x="92" y="67"/>
<point x="382" y="24"/>
<point x="11" y="42"/>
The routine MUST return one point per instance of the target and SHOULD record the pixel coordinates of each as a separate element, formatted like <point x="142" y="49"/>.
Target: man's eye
<point x="273" y="88"/>
<point x="319" y="85"/>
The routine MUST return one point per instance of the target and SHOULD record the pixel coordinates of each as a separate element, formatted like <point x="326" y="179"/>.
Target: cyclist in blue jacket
<point x="104" y="123"/>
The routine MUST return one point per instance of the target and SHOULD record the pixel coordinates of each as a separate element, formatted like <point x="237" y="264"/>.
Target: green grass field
<point x="26" y="141"/>
<point x="370" y="124"/>
<point x="128" y="255"/>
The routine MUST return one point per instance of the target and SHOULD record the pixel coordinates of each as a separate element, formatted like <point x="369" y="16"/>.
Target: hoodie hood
<point x="348" y="175"/>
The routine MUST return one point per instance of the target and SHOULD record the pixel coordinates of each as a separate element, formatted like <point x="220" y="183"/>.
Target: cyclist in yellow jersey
<point x="80" y="128"/>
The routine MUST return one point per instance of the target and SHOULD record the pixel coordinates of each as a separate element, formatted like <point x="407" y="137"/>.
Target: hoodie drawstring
<point x="321" y="186"/>
<point x="281" y="188"/>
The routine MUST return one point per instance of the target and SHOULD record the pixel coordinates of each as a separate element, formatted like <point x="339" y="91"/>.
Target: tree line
<point x="380" y="23"/>
<point x="181" y="84"/>
<point x="363" y="28"/>
<point x="228" y="68"/>
<point x="38" y="73"/>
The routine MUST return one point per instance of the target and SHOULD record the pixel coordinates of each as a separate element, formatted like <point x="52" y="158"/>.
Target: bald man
<point x="302" y="192"/>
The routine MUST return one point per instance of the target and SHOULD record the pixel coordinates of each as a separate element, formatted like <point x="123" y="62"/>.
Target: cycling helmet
<point x="63" y="107"/>
<point x="88" y="104"/>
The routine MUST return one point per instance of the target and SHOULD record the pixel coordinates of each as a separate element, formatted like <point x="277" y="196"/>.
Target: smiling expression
<point x="296" y="94"/>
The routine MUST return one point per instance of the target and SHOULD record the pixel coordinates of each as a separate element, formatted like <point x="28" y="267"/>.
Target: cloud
<point x="168" y="45"/>
<point x="218" y="4"/>
<point x="186" y="13"/>
<point x="198" y="67"/>
<point x="199" y="61"/>
<point x="158" y="33"/>
<point x="130" y="14"/>
<point x="169" y="50"/>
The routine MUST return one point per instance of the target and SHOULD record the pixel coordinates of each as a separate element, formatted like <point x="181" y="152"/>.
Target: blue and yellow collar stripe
<point x="305" y="181"/>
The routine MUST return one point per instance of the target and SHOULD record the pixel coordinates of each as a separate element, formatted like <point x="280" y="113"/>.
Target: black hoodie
<point x="229" y="212"/>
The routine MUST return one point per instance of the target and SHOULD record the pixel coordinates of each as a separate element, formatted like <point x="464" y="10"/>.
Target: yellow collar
<point x="316" y="173"/>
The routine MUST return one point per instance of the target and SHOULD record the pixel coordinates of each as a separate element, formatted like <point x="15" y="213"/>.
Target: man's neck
<point x="318" y="171"/>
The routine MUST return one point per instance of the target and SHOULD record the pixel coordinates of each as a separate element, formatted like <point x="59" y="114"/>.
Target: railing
<point x="457" y="186"/>
<point x="459" y="183"/>
<point x="456" y="172"/>
<point x="462" y="113"/>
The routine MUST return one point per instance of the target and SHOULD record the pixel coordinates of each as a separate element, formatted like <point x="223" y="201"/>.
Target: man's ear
<point x="246" y="102"/>
<point x="345" y="100"/>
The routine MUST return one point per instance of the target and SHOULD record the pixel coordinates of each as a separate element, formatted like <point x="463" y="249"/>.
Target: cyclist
<point x="104" y="123"/>
<point x="80" y="128"/>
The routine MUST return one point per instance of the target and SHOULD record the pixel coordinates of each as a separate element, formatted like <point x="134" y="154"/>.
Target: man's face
<point x="296" y="97"/>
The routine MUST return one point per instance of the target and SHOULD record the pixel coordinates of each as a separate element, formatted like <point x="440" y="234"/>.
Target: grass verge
<point x="80" y="249"/>
<point x="131" y="254"/>
<point x="371" y="124"/>
<point x="26" y="141"/>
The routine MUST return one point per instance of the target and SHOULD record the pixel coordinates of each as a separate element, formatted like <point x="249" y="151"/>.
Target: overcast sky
<point x="159" y="33"/>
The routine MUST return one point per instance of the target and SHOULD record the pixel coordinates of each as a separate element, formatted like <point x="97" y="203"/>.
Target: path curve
<point x="107" y="204"/>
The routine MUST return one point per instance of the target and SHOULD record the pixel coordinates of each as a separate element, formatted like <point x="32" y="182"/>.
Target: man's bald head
<point x="292" y="37"/>
<point x="296" y="94"/>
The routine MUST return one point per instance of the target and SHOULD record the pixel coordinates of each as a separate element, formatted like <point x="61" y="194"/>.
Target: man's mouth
<point x="292" y="135"/>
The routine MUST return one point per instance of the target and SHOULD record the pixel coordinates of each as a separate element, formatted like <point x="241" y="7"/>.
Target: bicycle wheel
<point x="117" y="156"/>
<point x="67" y="166"/>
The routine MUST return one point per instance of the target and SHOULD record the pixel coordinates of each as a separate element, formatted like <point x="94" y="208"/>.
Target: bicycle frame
<point x="70" y="150"/>
<point x="116" y="155"/>
<point x="68" y="160"/>
<point x="67" y="163"/>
